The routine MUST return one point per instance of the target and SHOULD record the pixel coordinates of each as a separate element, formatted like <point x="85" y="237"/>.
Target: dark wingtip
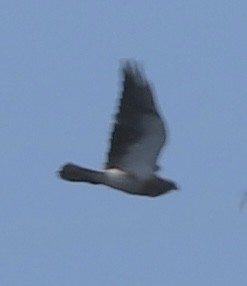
<point x="131" y="67"/>
<point x="133" y="72"/>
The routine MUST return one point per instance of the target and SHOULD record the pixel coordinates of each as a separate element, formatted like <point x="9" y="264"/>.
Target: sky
<point x="60" y="83"/>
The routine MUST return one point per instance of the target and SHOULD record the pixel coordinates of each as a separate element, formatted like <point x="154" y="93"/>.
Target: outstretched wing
<point x="139" y="131"/>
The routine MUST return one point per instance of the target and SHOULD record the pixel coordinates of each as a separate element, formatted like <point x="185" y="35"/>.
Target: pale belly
<point x="118" y="179"/>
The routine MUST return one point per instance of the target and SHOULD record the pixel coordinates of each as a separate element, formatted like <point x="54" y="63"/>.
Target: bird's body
<point x="137" y="138"/>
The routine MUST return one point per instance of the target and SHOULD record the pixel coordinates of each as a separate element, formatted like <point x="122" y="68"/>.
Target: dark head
<point x="169" y="186"/>
<point x="158" y="186"/>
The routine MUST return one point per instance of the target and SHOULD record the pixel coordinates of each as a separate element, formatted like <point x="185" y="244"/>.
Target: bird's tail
<point x="73" y="173"/>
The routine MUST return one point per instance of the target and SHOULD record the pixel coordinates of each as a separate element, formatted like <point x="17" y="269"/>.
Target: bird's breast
<point x="121" y="180"/>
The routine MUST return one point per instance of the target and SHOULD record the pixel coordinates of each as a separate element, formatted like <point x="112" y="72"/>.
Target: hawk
<point x="137" y="138"/>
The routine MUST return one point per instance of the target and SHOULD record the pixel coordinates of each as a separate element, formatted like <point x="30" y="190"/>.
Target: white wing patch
<point x="140" y="158"/>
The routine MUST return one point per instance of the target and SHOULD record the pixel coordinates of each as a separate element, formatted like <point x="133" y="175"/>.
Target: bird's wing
<point x="139" y="133"/>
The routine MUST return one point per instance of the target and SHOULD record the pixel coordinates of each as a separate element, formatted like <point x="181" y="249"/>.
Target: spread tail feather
<point x="73" y="173"/>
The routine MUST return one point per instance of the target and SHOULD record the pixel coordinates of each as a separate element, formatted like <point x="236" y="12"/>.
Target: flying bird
<point x="136" y="141"/>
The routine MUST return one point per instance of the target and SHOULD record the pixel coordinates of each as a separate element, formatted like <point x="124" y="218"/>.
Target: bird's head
<point x="159" y="186"/>
<point x="170" y="186"/>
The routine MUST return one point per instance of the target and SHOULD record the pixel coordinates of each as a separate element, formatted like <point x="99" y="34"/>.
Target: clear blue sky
<point x="58" y="94"/>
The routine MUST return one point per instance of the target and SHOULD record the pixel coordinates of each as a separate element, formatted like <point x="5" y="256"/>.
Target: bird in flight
<point x="137" y="138"/>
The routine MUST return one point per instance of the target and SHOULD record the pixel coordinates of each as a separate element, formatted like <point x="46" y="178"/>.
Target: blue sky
<point x="58" y="94"/>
